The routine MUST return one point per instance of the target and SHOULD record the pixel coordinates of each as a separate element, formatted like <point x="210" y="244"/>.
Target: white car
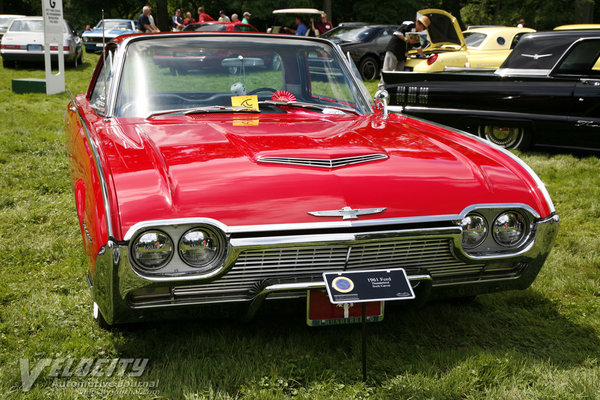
<point x="5" y="20"/>
<point x="24" y="42"/>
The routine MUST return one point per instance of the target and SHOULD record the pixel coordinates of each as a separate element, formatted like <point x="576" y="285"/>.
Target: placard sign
<point x="365" y="286"/>
<point x="54" y="36"/>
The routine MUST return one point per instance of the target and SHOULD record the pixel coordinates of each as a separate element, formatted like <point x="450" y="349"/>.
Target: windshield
<point x="474" y="39"/>
<point x="27" y="25"/>
<point x="350" y="34"/>
<point x="5" y="21"/>
<point x="173" y="73"/>
<point x="108" y="25"/>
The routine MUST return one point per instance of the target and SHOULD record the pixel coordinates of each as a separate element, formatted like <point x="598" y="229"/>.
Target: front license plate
<point x="321" y="312"/>
<point x="34" y="47"/>
<point x="99" y="44"/>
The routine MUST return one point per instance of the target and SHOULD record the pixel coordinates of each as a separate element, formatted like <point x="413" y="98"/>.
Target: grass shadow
<point x="226" y="354"/>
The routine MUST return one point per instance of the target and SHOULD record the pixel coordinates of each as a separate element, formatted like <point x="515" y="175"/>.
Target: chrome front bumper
<point x="124" y="296"/>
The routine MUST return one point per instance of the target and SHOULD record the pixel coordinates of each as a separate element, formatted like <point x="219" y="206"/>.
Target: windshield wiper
<point x="204" y="110"/>
<point x="309" y="106"/>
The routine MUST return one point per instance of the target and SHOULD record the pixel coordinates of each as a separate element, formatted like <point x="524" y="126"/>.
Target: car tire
<point x="81" y="58"/>
<point x="75" y="62"/>
<point x="8" y="63"/>
<point x="508" y="137"/>
<point x="369" y="68"/>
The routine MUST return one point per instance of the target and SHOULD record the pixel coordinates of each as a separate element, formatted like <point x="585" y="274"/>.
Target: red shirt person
<point x="324" y="25"/>
<point x="202" y="16"/>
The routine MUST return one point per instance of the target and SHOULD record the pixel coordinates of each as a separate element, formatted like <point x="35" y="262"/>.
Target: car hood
<point x="111" y="32"/>
<point x="210" y="166"/>
<point x="444" y="28"/>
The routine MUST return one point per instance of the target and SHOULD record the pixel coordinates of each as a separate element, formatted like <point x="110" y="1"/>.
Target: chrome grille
<point x="323" y="163"/>
<point x="255" y="269"/>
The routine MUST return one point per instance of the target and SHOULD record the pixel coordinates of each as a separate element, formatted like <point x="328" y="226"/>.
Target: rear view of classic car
<point x="545" y="94"/>
<point x="24" y="42"/>
<point x="244" y="180"/>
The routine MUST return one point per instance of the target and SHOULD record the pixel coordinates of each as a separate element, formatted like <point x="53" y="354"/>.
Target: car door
<point x="581" y="64"/>
<point x="381" y="42"/>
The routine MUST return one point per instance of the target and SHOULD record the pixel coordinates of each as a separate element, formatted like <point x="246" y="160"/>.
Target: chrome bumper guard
<point x="115" y="283"/>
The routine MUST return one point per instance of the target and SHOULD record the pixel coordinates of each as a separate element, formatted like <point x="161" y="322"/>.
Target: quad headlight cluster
<point x="507" y="232"/>
<point x="198" y="250"/>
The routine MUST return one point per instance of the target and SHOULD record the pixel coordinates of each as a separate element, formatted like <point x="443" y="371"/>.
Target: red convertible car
<point x="212" y="191"/>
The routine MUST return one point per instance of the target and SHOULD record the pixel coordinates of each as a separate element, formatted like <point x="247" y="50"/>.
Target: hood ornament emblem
<point x="347" y="212"/>
<point x="535" y="56"/>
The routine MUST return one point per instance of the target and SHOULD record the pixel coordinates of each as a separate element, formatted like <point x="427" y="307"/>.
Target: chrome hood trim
<point x="323" y="163"/>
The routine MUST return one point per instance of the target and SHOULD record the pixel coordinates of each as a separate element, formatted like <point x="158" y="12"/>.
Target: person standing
<point x="146" y="22"/>
<point x="246" y="17"/>
<point x="152" y="24"/>
<point x="177" y="21"/>
<point x="521" y="23"/>
<point x="188" y="19"/>
<point x="203" y="16"/>
<point x="223" y="17"/>
<point x="323" y="25"/>
<point x="400" y="43"/>
<point x="235" y="19"/>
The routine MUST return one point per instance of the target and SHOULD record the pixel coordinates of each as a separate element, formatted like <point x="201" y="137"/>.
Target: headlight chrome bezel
<point x="490" y="246"/>
<point x="516" y="218"/>
<point x="481" y="223"/>
<point x="213" y="236"/>
<point x="176" y="266"/>
<point x="135" y="250"/>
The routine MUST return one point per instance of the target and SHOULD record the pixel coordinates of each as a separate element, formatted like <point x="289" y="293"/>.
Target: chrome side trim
<point x="522" y="72"/>
<point x="131" y="232"/>
<point x="99" y="170"/>
<point x="477" y="113"/>
<point x="522" y="163"/>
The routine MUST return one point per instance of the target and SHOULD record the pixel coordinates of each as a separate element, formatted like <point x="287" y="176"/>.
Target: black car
<point x="366" y="44"/>
<point x="546" y="93"/>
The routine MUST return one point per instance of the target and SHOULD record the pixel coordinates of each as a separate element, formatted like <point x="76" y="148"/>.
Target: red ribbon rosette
<point x="283" y="95"/>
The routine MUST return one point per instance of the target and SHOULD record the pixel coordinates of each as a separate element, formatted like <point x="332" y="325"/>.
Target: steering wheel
<point x="262" y="89"/>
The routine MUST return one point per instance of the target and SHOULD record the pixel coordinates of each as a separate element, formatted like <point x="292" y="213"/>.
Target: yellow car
<point x="576" y="27"/>
<point x="489" y="47"/>
<point x="450" y="48"/>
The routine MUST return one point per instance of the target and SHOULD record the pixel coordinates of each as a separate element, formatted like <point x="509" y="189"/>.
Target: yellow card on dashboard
<point x="245" y="101"/>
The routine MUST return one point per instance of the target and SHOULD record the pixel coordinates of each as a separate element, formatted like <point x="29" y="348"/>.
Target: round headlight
<point x="474" y="229"/>
<point x="153" y="250"/>
<point x="201" y="248"/>
<point x="509" y="228"/>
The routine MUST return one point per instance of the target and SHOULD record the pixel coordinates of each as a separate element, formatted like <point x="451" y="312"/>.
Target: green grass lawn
<point x="541" y="343"/>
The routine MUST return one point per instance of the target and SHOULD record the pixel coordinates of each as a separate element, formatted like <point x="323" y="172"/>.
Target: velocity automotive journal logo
<point x="84" y="373"/>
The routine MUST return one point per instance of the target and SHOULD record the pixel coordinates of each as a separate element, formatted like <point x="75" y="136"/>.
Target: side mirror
<point x="382" y="97"/>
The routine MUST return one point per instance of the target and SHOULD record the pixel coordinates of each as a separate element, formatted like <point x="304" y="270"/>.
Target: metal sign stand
<point x="367" y="286"/>
<point x="54" y="35"/>
<point x="364" y="341"/>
